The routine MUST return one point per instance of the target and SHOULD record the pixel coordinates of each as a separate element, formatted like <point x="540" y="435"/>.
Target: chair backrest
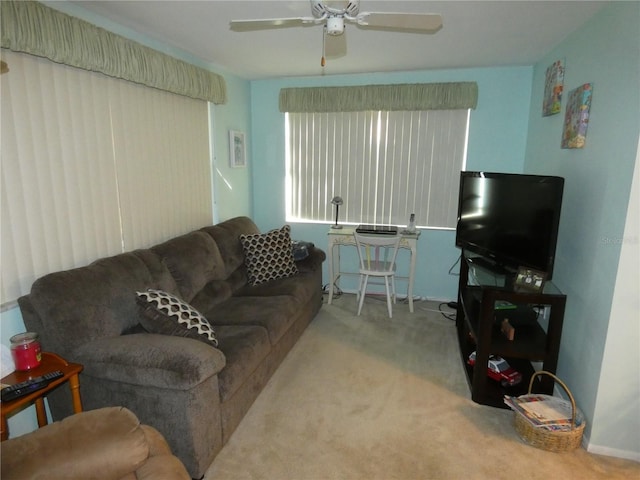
<point x="377" y="253"/>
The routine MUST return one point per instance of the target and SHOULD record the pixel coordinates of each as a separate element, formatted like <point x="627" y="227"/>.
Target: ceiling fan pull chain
<point x="324" y="32"/>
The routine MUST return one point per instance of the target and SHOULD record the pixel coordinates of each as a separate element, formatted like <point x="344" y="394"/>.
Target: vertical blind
<point x="93" y="166"/>
<point x="384" y="164"/>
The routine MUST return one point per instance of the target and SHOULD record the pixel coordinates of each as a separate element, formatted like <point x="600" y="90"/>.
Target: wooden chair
<point x="377" y="254"/>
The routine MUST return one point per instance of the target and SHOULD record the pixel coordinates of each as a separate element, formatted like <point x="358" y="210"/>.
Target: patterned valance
<point x="406" y="97"/>
<point x="33" y="28"/>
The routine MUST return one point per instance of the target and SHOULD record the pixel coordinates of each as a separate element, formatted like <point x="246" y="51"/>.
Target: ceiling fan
<point x="333" y="15"/>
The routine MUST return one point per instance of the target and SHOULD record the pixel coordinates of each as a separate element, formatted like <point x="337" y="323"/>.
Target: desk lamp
<point x="337" y="201"/>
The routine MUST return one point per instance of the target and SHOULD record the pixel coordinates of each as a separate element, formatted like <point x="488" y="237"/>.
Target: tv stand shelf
<point x="482" y="296"/>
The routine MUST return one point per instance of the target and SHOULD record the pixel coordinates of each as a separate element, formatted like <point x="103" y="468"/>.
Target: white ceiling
<point x="475" y="34"/>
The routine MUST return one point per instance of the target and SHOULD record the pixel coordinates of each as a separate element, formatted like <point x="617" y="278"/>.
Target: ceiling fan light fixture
<point x="335" y="26"/>
<point x="332" y="15"/>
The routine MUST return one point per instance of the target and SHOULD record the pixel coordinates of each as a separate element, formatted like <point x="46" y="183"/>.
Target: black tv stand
<point x="482" y="294"/>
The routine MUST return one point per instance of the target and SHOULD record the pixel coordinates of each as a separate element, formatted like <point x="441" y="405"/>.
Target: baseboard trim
<point x="598" y="449"/>
<point x="613" y="452"/>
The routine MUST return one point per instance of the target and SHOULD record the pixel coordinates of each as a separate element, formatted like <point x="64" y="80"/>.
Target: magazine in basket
<point x="545" y="411"/>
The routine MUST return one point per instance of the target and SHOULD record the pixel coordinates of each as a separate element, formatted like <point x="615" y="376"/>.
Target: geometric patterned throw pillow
<point x="168" y="315"/>
<point x="269" y="256"/>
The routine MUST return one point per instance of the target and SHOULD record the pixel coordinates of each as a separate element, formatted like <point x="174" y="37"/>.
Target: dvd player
<point x="377" y="229"/>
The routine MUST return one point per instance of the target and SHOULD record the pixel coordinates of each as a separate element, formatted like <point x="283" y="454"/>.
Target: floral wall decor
<point x="553" y="85"/>
<point x="576" y="117"/>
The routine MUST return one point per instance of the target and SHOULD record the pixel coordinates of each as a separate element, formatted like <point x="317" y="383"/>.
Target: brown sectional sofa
<point x="193" y="393"/>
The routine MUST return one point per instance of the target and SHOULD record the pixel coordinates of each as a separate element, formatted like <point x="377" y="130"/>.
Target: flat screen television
<point x="510" y="219"/>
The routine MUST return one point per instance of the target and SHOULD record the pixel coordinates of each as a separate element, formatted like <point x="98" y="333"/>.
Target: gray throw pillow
<point x="168" y="315"/>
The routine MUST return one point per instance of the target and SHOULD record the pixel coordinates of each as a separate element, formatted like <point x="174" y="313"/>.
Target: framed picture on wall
<point x="576" y="119"/>
<point x="553" y="86"/>
<point x="237" y="149"/>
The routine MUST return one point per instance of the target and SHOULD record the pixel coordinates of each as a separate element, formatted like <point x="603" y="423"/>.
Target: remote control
<point x="28" y="386"/>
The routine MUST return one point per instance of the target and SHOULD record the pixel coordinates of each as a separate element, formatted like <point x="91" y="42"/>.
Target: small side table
<point x="50" y="362"/>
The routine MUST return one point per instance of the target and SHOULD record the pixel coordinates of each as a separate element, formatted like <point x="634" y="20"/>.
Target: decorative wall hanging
<point x="576" y="117"/>
<point x="237" y="149"/>
<point x="553" y="85"/>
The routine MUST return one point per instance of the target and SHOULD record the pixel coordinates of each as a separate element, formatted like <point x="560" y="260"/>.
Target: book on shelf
<point x="504" y="305"/>
<point x="544" y="411"/>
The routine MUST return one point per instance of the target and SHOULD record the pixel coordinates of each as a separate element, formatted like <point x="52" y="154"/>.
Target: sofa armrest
<point x="103" y="443"/>
<point x="161" y="464"/>
<point x="313" y="261"/>
<point x="165" y="467"/>
<point x="148" y="359"/>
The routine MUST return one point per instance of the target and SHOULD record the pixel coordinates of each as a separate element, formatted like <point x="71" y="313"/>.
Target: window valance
<point x="33" y="28"/>
<point x="406" y="97"/>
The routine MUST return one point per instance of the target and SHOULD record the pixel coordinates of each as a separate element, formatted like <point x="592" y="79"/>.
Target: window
<point x="93" y="166"/>
<point x="384" y="164"/>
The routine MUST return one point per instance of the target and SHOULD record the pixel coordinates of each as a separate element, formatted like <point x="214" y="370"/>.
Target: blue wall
<point x="605" y="52"/>
<point x="231" y="186"/>
<point x="497" y="142"/>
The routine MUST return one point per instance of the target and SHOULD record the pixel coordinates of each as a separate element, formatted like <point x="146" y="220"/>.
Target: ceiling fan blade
<point x="335" y="46"/>
<point x="269" y="23"/>
<point x="417" y="22"/>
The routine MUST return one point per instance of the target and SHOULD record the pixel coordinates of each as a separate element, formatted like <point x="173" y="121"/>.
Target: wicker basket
<point x="553" y="441"/>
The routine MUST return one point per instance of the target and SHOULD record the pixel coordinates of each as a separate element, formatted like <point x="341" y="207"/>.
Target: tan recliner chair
<point x="107" y="443"/>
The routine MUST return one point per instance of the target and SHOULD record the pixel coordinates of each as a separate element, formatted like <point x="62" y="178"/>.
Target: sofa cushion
<point x="275" y="313"/>
<point x="244" y="347"/>
<point x="269" y="256"/>
<point x="194" y="260"/>
<point x="167" y="314"/>
<point x="227" y="238"/>
<point x="300" y="287"/>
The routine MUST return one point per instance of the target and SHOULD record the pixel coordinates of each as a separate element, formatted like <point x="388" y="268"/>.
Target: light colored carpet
<point x="376" y="398"/>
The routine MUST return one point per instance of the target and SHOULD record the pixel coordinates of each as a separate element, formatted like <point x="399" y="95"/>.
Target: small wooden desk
<point x="344" y="236"/>
<point x="50" y="362"/>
